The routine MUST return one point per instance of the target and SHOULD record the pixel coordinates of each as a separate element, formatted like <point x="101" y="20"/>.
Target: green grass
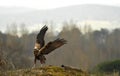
<point x="106" y="74"/>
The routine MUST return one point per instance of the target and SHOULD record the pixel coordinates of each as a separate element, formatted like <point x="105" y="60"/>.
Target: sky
<point x="50" y="4"/>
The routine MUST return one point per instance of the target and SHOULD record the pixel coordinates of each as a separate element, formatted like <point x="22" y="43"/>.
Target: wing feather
<point x="52" y="46"/>
<point x="40" y="37"/>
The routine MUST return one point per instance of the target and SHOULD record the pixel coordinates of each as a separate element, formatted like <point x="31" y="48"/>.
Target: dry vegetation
<point x="53" y="71"/>
<point x="45" y="71"/>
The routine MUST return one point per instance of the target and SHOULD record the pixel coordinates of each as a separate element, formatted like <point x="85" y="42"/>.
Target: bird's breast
<point x="37" y="46"/>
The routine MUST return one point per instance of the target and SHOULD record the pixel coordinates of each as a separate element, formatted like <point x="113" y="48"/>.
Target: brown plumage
<point x="41" y="49"/>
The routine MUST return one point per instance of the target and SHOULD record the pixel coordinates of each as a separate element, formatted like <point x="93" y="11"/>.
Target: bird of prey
<point x="40" y="49"/>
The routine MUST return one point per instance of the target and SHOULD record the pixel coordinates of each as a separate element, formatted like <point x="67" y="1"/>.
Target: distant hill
<point x="78" y="12"/>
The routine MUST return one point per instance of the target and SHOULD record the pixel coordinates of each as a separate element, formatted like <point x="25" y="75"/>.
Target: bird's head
<point x="36" y="52"/>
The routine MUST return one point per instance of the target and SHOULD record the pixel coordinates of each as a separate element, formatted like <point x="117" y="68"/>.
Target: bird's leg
<point x="34" y="63"/>
<point x="42" y="60"/>
<point x="41" y="63"/>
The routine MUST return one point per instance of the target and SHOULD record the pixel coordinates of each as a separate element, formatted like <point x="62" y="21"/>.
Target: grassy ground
<point x="45" y="71"/>
<point x="106" y="74"/>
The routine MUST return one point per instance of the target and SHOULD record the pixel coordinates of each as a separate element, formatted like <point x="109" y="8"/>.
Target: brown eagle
<point x="40" y="49"/>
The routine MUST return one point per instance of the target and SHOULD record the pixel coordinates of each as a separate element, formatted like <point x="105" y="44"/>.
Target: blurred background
<point x="91" y="27"/>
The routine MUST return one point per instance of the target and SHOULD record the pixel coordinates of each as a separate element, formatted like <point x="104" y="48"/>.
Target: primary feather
<point x="51" y="46"/>
<point x="40" y="38"/>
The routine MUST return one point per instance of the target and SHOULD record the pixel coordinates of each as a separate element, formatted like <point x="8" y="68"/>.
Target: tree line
<point x="83" y="50"/>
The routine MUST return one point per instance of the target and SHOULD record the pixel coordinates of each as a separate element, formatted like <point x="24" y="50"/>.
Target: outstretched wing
<point x="52" y="46"/>
<point x="40" y="37"/>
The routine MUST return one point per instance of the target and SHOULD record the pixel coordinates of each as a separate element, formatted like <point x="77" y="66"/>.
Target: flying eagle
<point x="40" y="49"/>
